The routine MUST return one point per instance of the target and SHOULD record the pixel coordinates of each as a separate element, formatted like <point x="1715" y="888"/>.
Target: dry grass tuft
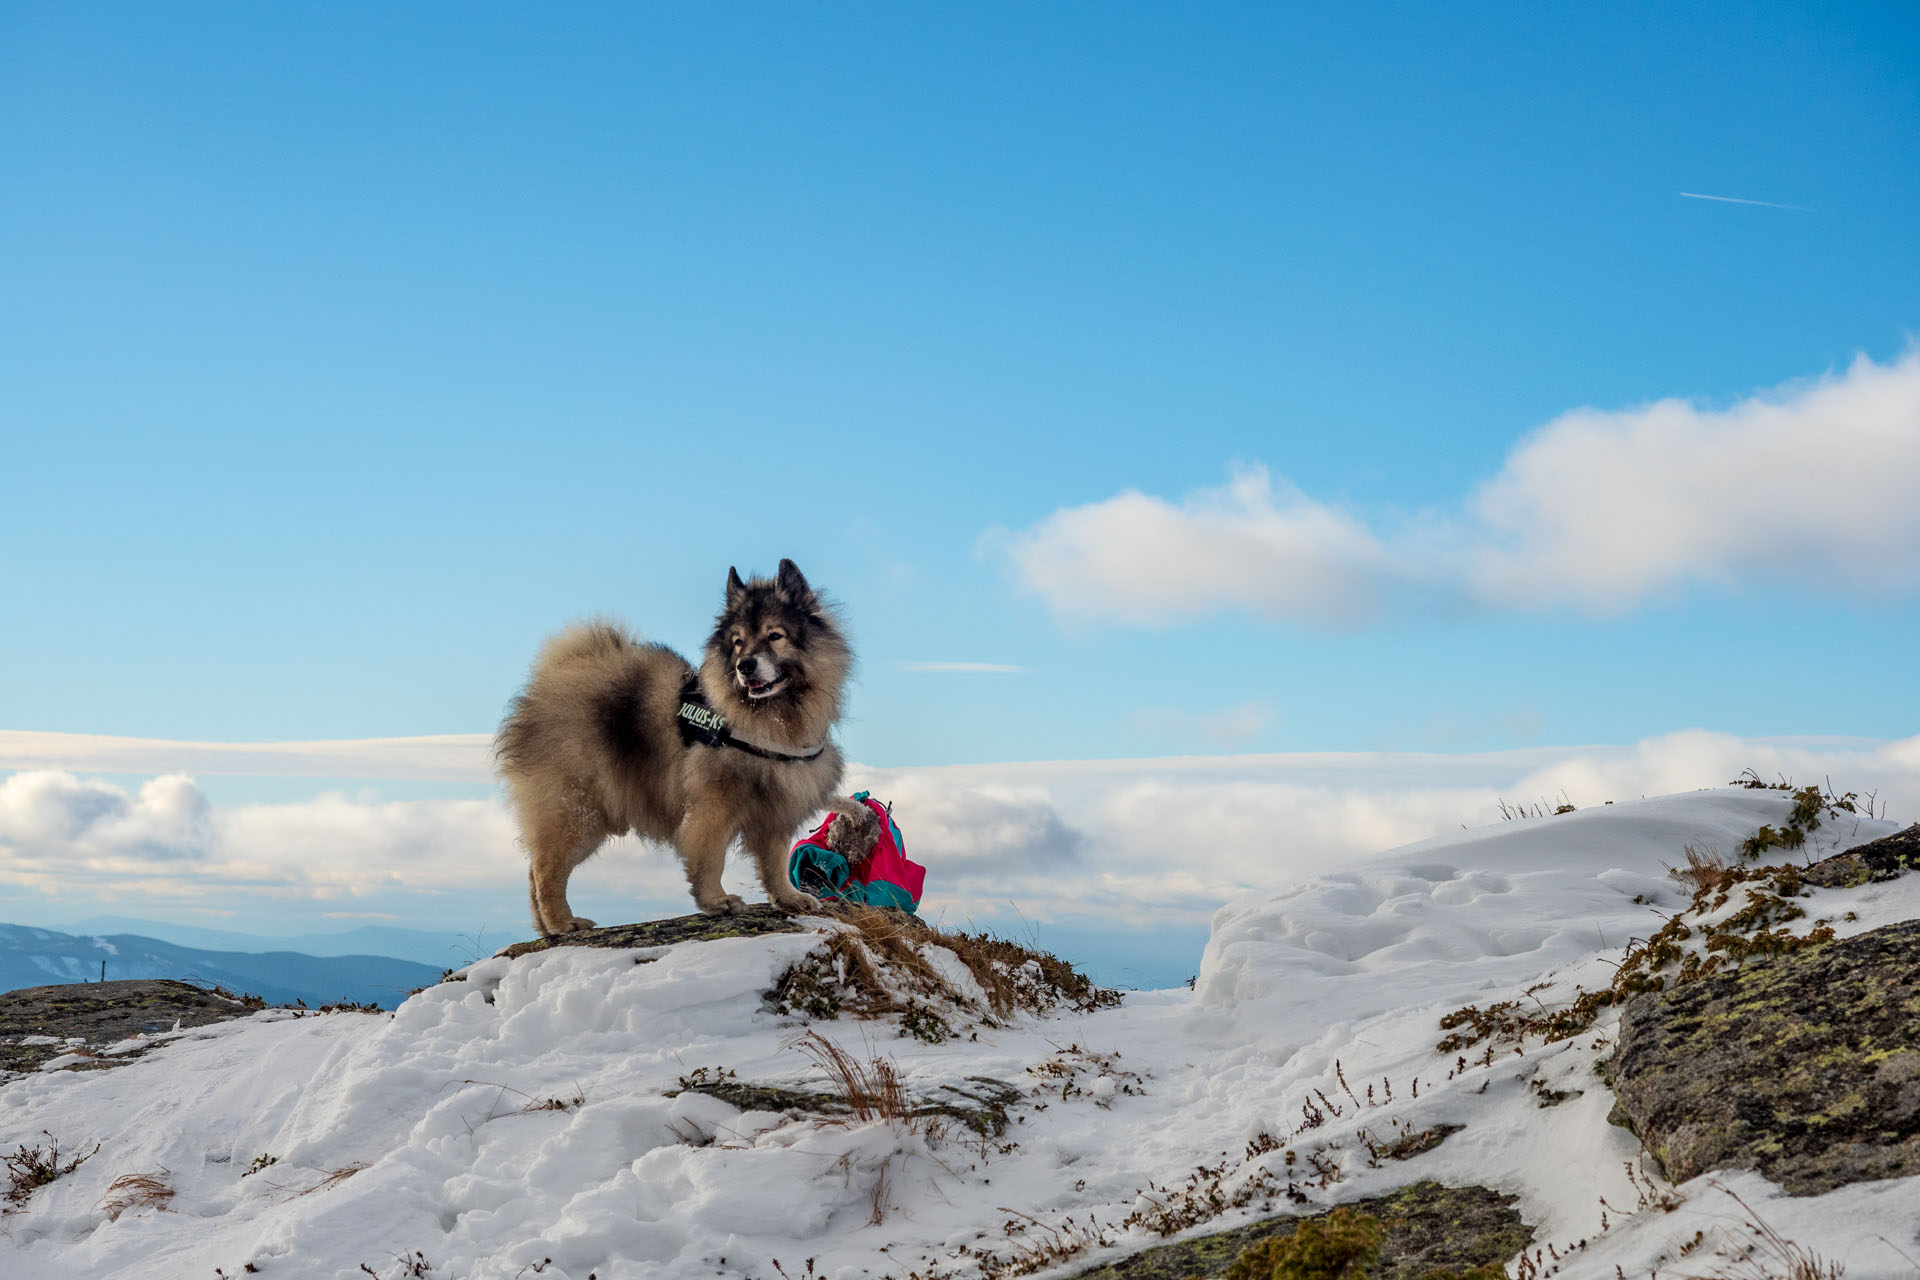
<point x="871" y="1090"/>
<point x="1538" y="809"/>
<point x="1706" y="870"/>
<point x="334" y="1178"/>
<point x="1018" y="977"/>
<point x="1209" y="1191"/>
<point x="136" y="1191"/>
<point x="1012" y="975"/>
<point x="877" y="944"/>
<point x="1045" y="1245"/>
<point x="877" y="966"/>
<point x="533" y="1102"/>
<point x="1764" y="1254"/>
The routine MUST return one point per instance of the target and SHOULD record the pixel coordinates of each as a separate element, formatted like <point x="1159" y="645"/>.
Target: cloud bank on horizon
<point x="1597" y="511"/>
<point x="447" y="757"/>
<point x="1133" y="840"/>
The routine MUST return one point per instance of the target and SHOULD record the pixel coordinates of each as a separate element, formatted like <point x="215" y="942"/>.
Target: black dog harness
<point x="699" y="722"/>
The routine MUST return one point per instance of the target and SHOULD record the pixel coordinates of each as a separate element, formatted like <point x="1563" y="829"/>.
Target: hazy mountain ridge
<point x="32" y="957"/>
<point x="437" y="948"/>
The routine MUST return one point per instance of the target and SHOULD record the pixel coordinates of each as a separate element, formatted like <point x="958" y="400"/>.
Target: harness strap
<point x="699" y="722"/>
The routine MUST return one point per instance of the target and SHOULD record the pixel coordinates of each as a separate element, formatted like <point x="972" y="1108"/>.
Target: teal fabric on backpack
<point x="887" y="880"/>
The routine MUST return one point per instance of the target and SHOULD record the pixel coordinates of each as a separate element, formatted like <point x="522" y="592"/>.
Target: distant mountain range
<point x="439" y="949"/>
<point x="31" y="957"/>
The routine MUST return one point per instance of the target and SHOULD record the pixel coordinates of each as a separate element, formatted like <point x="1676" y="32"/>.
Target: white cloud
<point x="450" y="757"/>
<point x="60" y="833"/>
<point x="1811" y="483"/>
<point x="1808" y="483"/>
<point x="978" y="830"/>
<point x="94" y="821"/>
<point x="1138" y="840"/>
<point x="1249" y="544"/>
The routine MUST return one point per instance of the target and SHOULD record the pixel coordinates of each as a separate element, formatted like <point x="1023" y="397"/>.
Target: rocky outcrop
<point x="1426" y="1227"/>
<point x="40" y="1024"/>
<point x="1804" y="1066"/>
<point x="757" y="919"/>
<point x="980" y="1102"/>
<point x="1869" y="863"/>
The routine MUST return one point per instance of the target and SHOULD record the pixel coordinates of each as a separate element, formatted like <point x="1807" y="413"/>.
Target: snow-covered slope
<point x="428" y="1135"/>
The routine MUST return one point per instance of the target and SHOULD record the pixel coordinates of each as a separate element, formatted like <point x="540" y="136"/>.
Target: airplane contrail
<point x="1764" y="204"/>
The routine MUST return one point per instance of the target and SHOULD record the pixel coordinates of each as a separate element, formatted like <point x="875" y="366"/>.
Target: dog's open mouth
<point x="766" y="688"/>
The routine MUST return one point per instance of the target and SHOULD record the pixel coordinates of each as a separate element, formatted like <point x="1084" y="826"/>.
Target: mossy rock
<point x="747" y="1096"/>
<point x="981" y="1102"/>
<point x="755" y="920"/>
<point x="1804" y="1066"/>
<point x="102" y="1013"/>
<point x="1427" y="1227"/>
<point x="1869" y="863"/>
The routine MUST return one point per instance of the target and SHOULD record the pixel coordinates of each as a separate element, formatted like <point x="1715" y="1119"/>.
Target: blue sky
<point x="349" y="351"/>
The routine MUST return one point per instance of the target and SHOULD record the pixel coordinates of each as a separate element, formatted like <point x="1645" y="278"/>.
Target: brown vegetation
<point x="877" y="966"/>
<point x="31" y="1168"/>
<point x="136" y="1191"/>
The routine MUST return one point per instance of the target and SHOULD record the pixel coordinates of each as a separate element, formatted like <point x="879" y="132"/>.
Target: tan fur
<point x="590" y="749"/>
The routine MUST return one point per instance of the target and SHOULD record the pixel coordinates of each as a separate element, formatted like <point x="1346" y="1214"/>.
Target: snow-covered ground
<point x="417" y="1136"/>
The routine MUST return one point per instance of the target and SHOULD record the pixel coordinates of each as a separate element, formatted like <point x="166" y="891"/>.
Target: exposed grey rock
<point x="1428" y="1227"/>
<point x="1877" y="860"/>
<point x="103" y="1013"/>
<point x="757" y="919"/>
<point x="980" y="1102"/>
<point x="1805" y="1066"/>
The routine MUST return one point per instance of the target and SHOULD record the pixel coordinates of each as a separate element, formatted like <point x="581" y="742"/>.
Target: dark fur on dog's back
<point x="615" y="710"/>
<point x="590" y="748"/>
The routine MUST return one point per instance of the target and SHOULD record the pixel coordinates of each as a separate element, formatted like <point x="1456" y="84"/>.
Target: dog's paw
<point x="795" y="903"/>
<point x="727" y="904"/>
<point x="572" y="924"/>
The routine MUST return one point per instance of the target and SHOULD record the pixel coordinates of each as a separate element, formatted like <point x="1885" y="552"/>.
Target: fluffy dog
<point x="612" y="735"/>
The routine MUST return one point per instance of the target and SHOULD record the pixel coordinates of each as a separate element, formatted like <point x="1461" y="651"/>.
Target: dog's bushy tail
<point x="514" y="744"/>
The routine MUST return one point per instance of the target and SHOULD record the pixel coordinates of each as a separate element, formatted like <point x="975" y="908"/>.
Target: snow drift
<point x="533" y="1118"/>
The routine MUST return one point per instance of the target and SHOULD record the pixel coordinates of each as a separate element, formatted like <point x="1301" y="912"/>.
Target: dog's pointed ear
<point x="736" y="589"/>
<point x="792" y="585"/>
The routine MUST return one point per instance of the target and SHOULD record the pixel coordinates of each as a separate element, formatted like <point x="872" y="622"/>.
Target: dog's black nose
<point x="744" y="666"/>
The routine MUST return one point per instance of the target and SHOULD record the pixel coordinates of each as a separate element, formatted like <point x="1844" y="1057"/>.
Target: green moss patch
<point x="754" y="921"/>
<point x="1804" y="1066"/>
<point x="1424" y="1227"/>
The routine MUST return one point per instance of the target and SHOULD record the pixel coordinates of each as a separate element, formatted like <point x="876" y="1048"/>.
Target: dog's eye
<point x="775" y="635"/>
<point x="737" y="642"/>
